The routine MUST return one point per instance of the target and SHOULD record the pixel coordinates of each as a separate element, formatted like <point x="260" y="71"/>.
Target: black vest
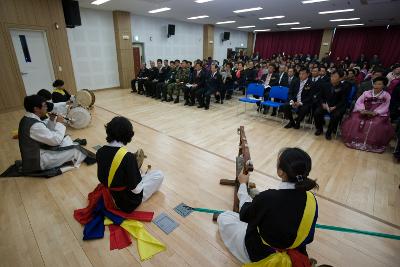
<point x="29" y="148"/>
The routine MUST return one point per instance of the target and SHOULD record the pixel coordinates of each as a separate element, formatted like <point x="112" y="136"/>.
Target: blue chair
<point x="277" y="92"/>
<point x="253" y="89"/>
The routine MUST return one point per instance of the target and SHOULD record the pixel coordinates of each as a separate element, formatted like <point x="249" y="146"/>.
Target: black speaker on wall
<point x="72" y="14"/>
<point x="171" y="29"/>
<point x="227" y="35"/>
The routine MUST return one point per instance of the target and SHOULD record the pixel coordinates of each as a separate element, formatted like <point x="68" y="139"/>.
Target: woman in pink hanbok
<point x="368" y="128"/>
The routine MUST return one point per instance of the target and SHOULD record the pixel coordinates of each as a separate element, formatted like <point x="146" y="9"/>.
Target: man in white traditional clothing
<point x="43" y="143"/>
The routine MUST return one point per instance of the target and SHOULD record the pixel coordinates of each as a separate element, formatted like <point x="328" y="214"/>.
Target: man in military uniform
<point x="182" y="78"/>
<point x="169" y="83"/>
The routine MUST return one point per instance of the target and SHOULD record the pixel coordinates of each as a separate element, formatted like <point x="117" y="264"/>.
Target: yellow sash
<point x="60" y="91"/>
<point x="119" y="156"/>
<point x="282" y="259"/>
<point x="147" y="245"/>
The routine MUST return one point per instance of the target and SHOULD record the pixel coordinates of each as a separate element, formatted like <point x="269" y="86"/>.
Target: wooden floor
<point x="195" y="148"/>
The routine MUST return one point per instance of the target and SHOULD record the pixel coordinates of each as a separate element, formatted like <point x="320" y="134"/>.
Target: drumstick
<point x="55" y="114"/>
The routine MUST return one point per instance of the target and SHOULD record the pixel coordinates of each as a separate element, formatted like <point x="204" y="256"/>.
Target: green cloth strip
<point x="322" y="226"/>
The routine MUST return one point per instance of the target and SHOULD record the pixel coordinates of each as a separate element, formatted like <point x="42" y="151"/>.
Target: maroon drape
<point x="293" y="42"/>
<point x="369" y="41"/>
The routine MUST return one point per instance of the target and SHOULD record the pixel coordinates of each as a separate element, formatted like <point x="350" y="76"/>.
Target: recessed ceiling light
<point x="344" y="19"/>
<point x="313" y="1"/>
<point x="263" y="30"/>
<point x="349" y="25"/>
<point x="246" y="27"/>
<point x="203" y="1"/>
<point x="336" y="11"/>
<point x="288" y="23"/>
<point x="159" y="10"/>
<point x="99" y="2"/>
<point x="274" y="17"/>
<point x="226" y="22"/>
<point x="247" y="10"/>
<point x="301" y="28"/>
<point x="199" y="17"/>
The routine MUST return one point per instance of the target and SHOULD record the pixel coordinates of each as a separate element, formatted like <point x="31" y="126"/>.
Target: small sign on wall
<point x="125" y="37"/>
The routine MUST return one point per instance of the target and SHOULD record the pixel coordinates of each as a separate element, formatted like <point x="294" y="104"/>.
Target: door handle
<point x="24" y="73"/>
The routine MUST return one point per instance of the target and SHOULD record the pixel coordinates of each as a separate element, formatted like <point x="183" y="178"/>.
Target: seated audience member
<point x="367" y="84"/>
<point x="270" y="223"/>
<point x="182" y="78"/>
<point x="152" y="80"/>
<point x="269" y="80"/>
<point x="395" y="104"/>
<point x="227" y="86"/>
<point x="170" y="82"/>
<point x="251" y="73"/>
<point x="60" y="108"/>
<point x="324" y="75"/>
<point x="368" y="128"/>
<point x="300" y="99"/>
<point x="43" y="144"/>
<point x="375" y="61"/>
<point x="128" y="187"/>
<point x="393" y="77"/>
<point x="213" y="82"/>
<point x="334" y="101"/>
<point x="240" y="77"/>
<point x="59" y="93"/>
<point x="283" y="76"/>
<point x="197" y="84"/>
<point x="162" y="76"/>
<point x="141" y="78"/>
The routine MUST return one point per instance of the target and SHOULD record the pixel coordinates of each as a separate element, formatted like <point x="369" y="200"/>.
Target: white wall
<point x="236" y="39"/>
<point x="93" y="51"/>
<point x="187" y="43"/>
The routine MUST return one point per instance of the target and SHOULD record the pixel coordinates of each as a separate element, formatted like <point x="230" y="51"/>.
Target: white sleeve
<point x="243" y="195"/>
<point x="43" y="134"/>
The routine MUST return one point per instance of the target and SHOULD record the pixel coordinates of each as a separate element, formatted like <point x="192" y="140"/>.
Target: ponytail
<point x="296" y="163"/>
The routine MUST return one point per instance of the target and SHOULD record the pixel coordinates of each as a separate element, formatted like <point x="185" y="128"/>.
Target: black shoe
<point x="186" y="103"/>
<point x="176" y="101"/>
<point x="328" y="136"/>
<point x="289" y="125"/>
<point x="206" y="107"/>
<point x="81" y="142"/>
<point x="265" y="112"/>
<point x="273" y="113"/>
<point x="170" y="99"/>
<point x="217" y="101"/>
<point x="191" y="104"/>
<point x="200" y="106"/>
<point x="296" y="126"/>
<point x="163" y="99"/>
<point x="318" y="132"/>
<point x="222" y="101"/>
<point x="90" y="161"/>
<point x="228" y="97"/>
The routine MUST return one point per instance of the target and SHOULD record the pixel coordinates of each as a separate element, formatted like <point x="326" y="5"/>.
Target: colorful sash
<point x="285" y="258"/>
<point x="60" y="91"/>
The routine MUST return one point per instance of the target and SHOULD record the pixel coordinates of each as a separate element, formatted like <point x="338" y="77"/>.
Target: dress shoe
<point x="296" y="125"/>
<point x="206" y="107"/>
<point x="328" y="136"/>
<point x="318" y="132"/>
<point x="265" y="112"/>
<point x="176" y="101"/>
<point x="222" y="101"/>
<point x="273" y="113"/>
<point x="228" y="97"/>
<point x="170" y="99"/>
<point x="191" y="104"/>
<point x="186" y="103"/>
<point x="200" y="106"/>
<point x="289" y="125"/>
<point x="217" y="101"/>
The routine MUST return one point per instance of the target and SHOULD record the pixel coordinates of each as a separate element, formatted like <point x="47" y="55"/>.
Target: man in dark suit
<point x="251" y="74"/>
<point x="140" y="79"/>
<point x="283" y="76"/>
<point x="152" y="80"/>
<point x="334" y="102"/>
<point x="197" y="84"/>
<point x="162" y="76"/>
<point x="213" y="83"/>
<point x="270" y="79"/>
<point x="323" y="74"/>
<point x="300" y="99"/>
<point x="293" y="81"/>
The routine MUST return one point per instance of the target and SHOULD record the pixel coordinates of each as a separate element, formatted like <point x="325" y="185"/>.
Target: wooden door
<point x="136" y="60"/>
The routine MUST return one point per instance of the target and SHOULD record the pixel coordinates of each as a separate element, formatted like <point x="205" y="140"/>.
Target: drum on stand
<point x="79" y="117"/>
<point x="85" y="98"/>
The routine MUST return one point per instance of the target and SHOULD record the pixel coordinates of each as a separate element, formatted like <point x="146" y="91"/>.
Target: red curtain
<point x="293" y="42"/>
<point x="369" y="41"/>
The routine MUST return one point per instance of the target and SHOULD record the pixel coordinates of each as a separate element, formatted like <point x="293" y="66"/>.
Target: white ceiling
<point x="371" y="12"/>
